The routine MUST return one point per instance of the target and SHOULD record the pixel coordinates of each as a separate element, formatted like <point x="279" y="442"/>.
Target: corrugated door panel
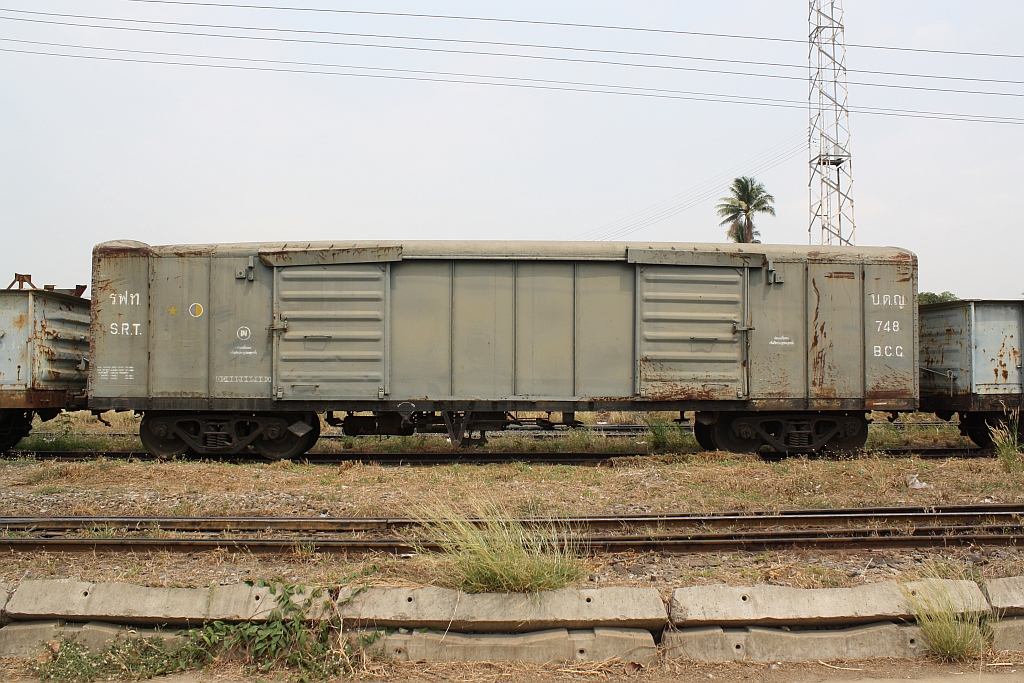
<point x="482" y="328"/>
<point x="890" y="368"/>
<point x="778" y="342"/>
<point x="15" y="330"/>
<point x="62" y="340"/>
<point x="605" y="305"/>
<point x="997" y="348"/>
<point x="688" y="346"/>
<point x="179" y="326"/>
<point x="421" y="305"/>
<point x="544" y="329"/>
<point x="335" y="343"/>
<point x="945" y="346"/>
<point x="834" y="320"/>
<point x="120" y="332"/>
<point x="242" y="344"/>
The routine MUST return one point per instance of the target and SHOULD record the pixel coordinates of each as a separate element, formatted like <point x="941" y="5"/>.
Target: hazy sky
<point x="94" y="150"/>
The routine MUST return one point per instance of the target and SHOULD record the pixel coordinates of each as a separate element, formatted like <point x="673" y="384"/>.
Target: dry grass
<point x="700" y="482"/>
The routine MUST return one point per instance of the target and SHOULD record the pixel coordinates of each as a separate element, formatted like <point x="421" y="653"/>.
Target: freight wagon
<point x="224" y="347"/>
<point x="971" y="363"/>
<point x="44" y="344"/>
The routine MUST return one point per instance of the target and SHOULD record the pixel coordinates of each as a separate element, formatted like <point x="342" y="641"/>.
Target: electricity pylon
<point x="829" y="134"/>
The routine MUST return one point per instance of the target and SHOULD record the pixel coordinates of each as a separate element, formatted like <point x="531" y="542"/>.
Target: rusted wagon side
<point x="44" y="345"/>
<point x="971" y="363"/>
<point x="230" y="346"/>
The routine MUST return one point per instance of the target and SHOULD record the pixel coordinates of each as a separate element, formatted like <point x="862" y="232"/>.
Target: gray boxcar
<point x="226" y="346"/>
<point x="44" y="344"/>
<point x="971" y="362"/>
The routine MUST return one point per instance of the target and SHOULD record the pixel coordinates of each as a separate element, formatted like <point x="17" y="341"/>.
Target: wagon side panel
<point x="605" y="305"/>
<point x="835" y="347"/>
<point x="180" y="327"/>
<point x="890" y="365"/>
<point x="241" y="315"/>
<point x="119" y="368"/>
<point x="690" y="321"/>
<point x="60" y="341"/>
<point x="421" y="294"/>
<point x="545" y="330"/>
<point x="15" y="329"/>
<point x="333" y="341"/>
<point x="483" y="329"/>
<point x="945" y="350"/>
<point x="778" y="342"/>
<point x="997" y="347"/>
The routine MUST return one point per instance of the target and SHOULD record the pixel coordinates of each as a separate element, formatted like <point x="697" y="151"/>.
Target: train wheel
<point x="14" y="426"/>
<point x="853" y="437"/>
<point x="977" y="429"/>
<point x="726" y="439"/>
<point x="702" y="433"/>
<point x="314" y="434"/>
<point x="282" y="443"/>
<point x="158" y="437"/>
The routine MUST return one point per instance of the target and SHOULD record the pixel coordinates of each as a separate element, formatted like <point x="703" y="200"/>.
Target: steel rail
<point x="833" y="539"/>
<point x="949" y="515"/>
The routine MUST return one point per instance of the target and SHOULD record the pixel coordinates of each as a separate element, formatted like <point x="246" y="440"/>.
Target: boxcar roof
<point x="501" y="249"/>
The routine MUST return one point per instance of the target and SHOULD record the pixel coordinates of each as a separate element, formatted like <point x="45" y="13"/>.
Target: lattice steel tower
<point x="830" y="174"/>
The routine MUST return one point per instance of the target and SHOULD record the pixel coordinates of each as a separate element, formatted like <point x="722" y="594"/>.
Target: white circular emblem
<point x="244" y="333"/>
<point x="195" y="310"/>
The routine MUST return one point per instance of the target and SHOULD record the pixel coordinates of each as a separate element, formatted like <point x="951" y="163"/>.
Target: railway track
<point x="889" y="527"/>
<point x="475" y="457"/>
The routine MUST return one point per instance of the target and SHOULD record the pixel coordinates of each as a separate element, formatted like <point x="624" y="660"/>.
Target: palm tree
<point x="748" y="197"/>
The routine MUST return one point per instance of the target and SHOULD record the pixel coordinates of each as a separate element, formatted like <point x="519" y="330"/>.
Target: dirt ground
<point x="995" y="668"/>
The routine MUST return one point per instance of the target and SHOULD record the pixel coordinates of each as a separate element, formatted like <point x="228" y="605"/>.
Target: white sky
<point x="98" y="150"/>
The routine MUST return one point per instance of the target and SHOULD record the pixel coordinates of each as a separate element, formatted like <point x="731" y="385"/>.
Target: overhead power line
<point x="286" y="66"/>
<point x="575" y="60"/>
<point x="717" y="60"/>
<point x="564" y="24"/>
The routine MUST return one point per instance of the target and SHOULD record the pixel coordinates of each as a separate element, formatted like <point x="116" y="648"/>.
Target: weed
<point x="184" y="508"/>
<point x="309" y="652"/>
<point x="71" y="662"/>
<point x="98" y="531"/>
<point x="50" y="490"/>
<point x="1006" y="440"/>
<point x="534" y="506"/>
<point x="304" y="552"/>
<point x="952" y="635"/>
<point x="667" y="435"/>
<point x="495" y="552"/>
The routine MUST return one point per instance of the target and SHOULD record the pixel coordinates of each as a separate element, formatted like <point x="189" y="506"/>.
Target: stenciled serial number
<point x="242" y="379"/>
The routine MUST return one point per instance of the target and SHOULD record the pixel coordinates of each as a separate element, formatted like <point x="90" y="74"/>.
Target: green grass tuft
<point x="1006" y="442"/>
<point x="497" y="553"/>
<point x="952" y="636"/>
